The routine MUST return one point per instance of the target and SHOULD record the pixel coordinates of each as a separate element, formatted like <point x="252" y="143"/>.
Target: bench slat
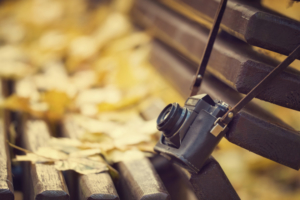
<point x="45" y="181"/>
<point x="211" y="182"/>
<point x="246" y="20"/>
<point x="175" y="180"/>
<point x="231" y="61"/>
<point x="6" y="184"/>
<point x="139" y="181"/>
<point x="97" y="186"/>
<point x="93" y="186"/>
<point x="253" y="128"/>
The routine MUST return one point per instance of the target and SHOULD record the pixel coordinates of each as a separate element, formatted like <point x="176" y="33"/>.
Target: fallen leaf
<point x="81" y="165"/>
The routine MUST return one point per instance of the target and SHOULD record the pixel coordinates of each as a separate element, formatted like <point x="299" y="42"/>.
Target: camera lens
<point x="171" y="118"/>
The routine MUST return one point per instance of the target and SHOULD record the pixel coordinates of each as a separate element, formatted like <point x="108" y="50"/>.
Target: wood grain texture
<point x="139" y="181"/>
<point x="231" y="61"/>
<point x="248" y="21"/>
<point x="253" y="128"/>
<point x="93" y="186"/>
<point x="6" y="184"/>
<point x="47" y="183"/>
<point x="266" y="139"/>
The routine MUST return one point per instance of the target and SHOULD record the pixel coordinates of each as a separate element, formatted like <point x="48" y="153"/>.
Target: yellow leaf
<point x="58" y="103"/>
<point x="127" y="43"/>
<point x="118" y="156"/>
<point x="126" y="102"/>
<point x="81" y="165"/>
<point x="97" y="140"/>
<point x="16" y="103"/>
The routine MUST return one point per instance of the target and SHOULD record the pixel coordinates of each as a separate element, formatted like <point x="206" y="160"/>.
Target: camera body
<point x="190" y="134"/>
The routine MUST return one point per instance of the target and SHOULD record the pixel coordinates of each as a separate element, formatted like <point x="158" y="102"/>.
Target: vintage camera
<point x="190" y="134"/>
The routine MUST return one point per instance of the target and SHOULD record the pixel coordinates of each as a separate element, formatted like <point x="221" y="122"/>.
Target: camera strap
<point x="221" y="123"/>
<point x="209" y="47"/>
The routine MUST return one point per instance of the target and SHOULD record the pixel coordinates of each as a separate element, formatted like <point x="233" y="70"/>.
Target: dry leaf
<point x="118" y="156"/>
<point x="81" y="165"/>
<point x="58" y="103"/>
<point x="82" y="161"/>
<point x="97" y="140"/>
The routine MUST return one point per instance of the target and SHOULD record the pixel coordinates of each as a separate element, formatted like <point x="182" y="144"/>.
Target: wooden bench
<point x="6" y="180"/>
<point x="253" y="129"/>
<point x="246" y="20"/>
<point x="232" y="61"/>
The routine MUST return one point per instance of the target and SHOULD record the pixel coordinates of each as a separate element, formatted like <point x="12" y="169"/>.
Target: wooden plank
<point x="6" y="184"/>
<point x="6" y="180"/>
<point x="211" y="182"/>
<point x="173" y="179"/>
<point x="246" y="20"/>
<point x="139" y="181"/>
<point x="45" y="181"/>
<point x="253" y="128"/>
<point x="231" y="61"/>
<point x="93" y="186"/>
<point x="266" y="139"/>
<point x="7" y="88"/>
<point x="94" y="4"/>
<point x="97" y="186"/>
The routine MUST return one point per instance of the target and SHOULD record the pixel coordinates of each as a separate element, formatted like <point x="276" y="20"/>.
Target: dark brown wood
<point x="7" y="87"/>
<point x="93" y="186"/>
<point x="97" y="186"/>
<point x="140" y="181"/>
<point x="94" y="4"/>
<point x="248" y="21"/>
<point x="253" y="128"/>
<point x="232" y="61"/>
<point x="6" y="181"/>
<point x="45" y="182"/>
<point x="261" y="85"/>
<point x="266" y="139"/>
<point x="211" y="182"/>
<point x="6" y="184"/>
<point x="173" y="179"/>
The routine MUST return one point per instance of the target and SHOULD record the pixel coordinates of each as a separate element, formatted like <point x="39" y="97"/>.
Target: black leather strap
<point x="209" y="47"/>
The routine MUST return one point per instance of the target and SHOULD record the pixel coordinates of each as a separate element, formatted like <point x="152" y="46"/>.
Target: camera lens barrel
<point x="171" y="119"/>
